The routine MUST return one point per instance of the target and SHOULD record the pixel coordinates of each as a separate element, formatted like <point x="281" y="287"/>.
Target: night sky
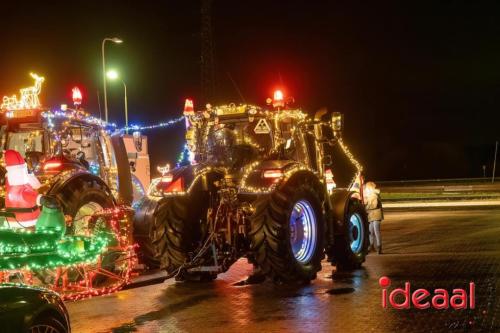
<point x="418" y="83"/>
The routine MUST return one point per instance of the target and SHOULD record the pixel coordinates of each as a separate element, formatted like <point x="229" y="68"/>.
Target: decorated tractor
<point x="260" y="186"/>
<point x="73" y="156"/>
<point x="72" y="159"/>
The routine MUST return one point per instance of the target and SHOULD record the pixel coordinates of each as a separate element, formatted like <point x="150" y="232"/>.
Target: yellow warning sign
<point x="262" y="127"/>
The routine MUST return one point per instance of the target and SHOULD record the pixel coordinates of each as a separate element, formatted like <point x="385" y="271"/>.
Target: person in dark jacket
<point x="373" y="205"/>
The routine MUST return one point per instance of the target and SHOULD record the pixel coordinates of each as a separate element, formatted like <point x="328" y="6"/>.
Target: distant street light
<point x="113" y="75"/>
<point x="116" y="41"/>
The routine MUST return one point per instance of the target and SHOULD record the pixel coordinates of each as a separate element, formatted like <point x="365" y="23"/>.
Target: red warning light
<point x="52" y="165"/>
<point x="278" y="99"/>
<point x="278" y="95"/>
<point x="188" y="106"/>
<point x="77" y="96"/>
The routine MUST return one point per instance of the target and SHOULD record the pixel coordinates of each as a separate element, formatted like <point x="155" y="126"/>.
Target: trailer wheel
<point x="177" y="229"/>
<point x="287" y="231"/>
<point x="351" y="247"/>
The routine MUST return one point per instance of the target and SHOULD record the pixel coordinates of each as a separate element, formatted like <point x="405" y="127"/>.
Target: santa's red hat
<point x="12" y="158"/>
<point x="17" y="170"/>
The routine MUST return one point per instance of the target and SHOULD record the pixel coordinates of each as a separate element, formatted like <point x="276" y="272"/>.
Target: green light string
<point x="27" y="250"/>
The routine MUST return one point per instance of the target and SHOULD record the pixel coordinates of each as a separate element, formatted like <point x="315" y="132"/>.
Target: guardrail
<point x="441" y="185"/>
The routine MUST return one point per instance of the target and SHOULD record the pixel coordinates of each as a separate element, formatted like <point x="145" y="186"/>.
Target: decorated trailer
<point x="260" y="185"/>
<point x="81" y="164"/>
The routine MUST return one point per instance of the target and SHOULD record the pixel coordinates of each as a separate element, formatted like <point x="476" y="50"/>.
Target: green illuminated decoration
<point x="47" y="249"/>
<point x="51" y="219"/>
<point x="76" y="266"/>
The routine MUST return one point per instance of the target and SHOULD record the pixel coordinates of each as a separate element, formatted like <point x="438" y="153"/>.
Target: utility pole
<point x="207" y="62"/>
<point x="494" y="162"/>
<point x="126" y="106"/>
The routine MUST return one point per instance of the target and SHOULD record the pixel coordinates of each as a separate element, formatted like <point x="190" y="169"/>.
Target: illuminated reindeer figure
<point x="29" y="96"/>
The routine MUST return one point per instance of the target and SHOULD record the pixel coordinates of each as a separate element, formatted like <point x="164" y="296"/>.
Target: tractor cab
<point x="236" y="135"/>
<point x="51" y="142"/>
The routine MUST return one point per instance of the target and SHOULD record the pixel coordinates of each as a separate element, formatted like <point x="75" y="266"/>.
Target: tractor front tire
<point x="351" y="247"/>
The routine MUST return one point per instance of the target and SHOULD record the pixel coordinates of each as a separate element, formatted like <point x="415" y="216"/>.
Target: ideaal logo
<point x="403" y="298"/>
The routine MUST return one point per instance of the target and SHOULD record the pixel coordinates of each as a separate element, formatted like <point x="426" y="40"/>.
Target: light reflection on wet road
<point x="430" y="249"/>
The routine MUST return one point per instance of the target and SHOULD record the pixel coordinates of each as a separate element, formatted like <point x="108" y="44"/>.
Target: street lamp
<point x="113" y="75"/>
<point x="116" y="41"/>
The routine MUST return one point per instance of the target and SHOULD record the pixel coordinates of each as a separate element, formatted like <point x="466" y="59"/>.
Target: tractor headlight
<point x="337" y="122"/>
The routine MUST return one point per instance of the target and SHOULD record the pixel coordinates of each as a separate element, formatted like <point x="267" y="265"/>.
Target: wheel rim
<point x="82" y="217"/>
<point x="356" y="233"/>
<point x="44" y="329"/>
<point x="138" y="191"/>
<point x="303" y="231"/>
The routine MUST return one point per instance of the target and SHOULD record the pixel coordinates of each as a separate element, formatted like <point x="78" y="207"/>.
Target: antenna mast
<point x="207" y="62"/>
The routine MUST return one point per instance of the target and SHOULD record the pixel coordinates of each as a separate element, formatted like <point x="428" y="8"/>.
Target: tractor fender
<point x="339" y="205"/>
<point x="296" y="176"/>
<point x="66" y="177"/>
<point x="125" y="189"/>
<point x="190" y="176"/>
<point x="255" y="179"/>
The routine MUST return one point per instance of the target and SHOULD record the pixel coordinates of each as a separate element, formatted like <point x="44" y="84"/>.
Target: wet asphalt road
<point x="430" y="249"/>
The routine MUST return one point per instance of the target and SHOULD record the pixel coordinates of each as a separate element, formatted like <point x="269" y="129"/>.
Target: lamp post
<point x="126" y="106"/>
<point x="116" y="41"/>
<point x="113" y="75"/>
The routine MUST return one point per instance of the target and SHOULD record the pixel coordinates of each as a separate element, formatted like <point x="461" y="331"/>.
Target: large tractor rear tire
<point x="351" y="247"/>
<point x="287" y="233"/>
<point x="177" y="229"/>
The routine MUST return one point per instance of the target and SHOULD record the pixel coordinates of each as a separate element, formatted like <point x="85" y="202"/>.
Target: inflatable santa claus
<point x="21" y="197"/>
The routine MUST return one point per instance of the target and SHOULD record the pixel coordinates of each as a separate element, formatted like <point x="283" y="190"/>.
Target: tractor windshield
<point x="237" y="144"/>
<point x="35" y="142"/>
<point x="76" y="140"/>
<point x="25" y="140"/>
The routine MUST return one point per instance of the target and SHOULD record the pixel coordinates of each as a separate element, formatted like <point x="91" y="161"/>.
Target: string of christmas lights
<point x="354" y="161"/>
<point x="69" y="114"/>
<point x="164" y="124"/>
